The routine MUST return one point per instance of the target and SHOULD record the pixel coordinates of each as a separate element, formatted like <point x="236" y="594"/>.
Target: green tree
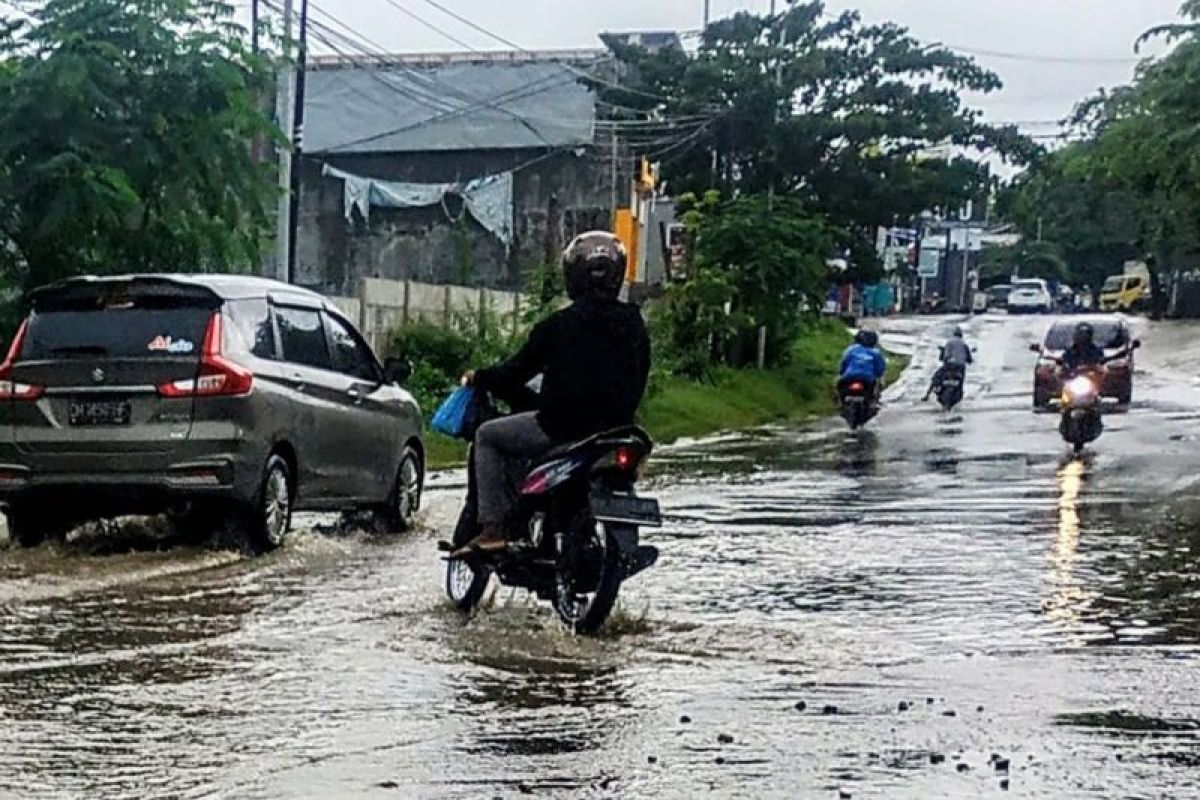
<point x="124" y="141"/>
<point x="1087" y="221"/>
<point x="756" y="262"/>
<point x="827" y="109"/>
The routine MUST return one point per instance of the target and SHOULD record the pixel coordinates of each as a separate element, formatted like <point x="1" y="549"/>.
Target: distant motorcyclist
<point x="1083" y="351"/>
<point x="955" y="356"/>
<point x="863" y="361"/>
<point x="594" y="359"/>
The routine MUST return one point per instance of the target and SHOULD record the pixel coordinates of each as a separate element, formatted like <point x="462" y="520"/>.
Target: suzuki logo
<point x="98" y="375"/>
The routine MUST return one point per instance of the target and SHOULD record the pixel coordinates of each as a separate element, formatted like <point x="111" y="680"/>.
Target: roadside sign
<point x="929" y="262"/>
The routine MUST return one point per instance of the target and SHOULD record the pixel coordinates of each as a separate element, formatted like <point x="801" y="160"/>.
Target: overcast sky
<point x="1099" y="33"/>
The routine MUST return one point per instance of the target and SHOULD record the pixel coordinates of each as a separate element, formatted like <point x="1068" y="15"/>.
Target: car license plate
<point x="86" y="413"/>
<point x="626" y="509"/>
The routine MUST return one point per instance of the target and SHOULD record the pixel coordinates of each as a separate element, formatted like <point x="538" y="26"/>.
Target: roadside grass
<point x="732" y="400"/>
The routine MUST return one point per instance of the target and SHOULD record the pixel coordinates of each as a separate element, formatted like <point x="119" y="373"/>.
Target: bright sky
<point x="1077" y="45"/>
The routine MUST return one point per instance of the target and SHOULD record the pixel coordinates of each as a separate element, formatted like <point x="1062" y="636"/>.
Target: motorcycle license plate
<point x="627" y="509"/>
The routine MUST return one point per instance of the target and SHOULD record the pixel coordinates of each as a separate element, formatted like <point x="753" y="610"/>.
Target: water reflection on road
<point x="929" y="608"/>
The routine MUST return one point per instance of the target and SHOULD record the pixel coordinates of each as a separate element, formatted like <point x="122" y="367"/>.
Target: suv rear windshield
<point x="127" y="332"/>
<point x="1027" y="285"/>
<point x="1108" y="336"/>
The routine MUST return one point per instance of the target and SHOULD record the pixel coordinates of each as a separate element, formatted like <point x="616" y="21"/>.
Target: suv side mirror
<point x="1137" y="343"/>
<point x="1035" y="348"/>
<point x="397" y="370"/>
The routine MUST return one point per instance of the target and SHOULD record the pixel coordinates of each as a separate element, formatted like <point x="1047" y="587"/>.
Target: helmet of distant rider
<point x="594" y="266"/>
<point x="958" y="332"/>
<point x="867" y="338"/>
<point x="1084" y="334"/>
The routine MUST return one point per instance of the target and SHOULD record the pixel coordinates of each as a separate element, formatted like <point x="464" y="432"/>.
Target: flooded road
<point x="943" y="606"/>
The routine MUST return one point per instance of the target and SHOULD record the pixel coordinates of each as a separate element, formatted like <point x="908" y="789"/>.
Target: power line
<point x="1044" y="59"/>
<point x="422" y="21"/>
<point x="509" y="43"/>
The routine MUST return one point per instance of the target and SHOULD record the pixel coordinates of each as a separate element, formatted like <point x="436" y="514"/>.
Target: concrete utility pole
<point x="254" y="19"/>
<point x="297" y="143"/>
<point x="707" y="9"/>
<point x="284" y="113"/>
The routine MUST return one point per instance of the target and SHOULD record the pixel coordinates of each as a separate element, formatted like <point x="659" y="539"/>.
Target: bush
<point x="441" y="355"/>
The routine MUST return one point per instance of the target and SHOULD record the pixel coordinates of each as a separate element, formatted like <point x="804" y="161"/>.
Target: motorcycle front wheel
<point x="589" y="581"/>
<point x="465" y="585"/>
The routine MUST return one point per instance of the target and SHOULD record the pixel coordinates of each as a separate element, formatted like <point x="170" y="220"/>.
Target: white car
<point x="1030" y="296"/>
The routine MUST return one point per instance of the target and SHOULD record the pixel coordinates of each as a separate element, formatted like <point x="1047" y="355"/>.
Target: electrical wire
<point x="422" y="21"/>
<point x="509" y="43"/>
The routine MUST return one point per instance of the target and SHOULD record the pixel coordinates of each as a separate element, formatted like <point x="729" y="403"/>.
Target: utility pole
<point x="614" y="176"/>
<point x="297" y="162"/>
<point x="254" y="20"/>
<point x="284" y="113"/>
<point x="707" y="9"/>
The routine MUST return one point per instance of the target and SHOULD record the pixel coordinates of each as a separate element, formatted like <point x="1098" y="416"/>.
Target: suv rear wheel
<point x="264" y="525"/>
<point x="30" y="526"/>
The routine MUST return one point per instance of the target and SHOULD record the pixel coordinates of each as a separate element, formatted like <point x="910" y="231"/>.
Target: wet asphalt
<point x="942" y="606"/>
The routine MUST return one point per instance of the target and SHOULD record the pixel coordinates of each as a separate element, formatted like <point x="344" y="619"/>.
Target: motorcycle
<point x="857" y="403"/>
<point x="1082" y="422"/>
<point x="950" y="391"/>
<point x="575" y="535"/>
<point x="1081" y="413"/>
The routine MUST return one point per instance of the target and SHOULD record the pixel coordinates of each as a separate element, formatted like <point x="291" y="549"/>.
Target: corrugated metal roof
<point x="449" y="106"/>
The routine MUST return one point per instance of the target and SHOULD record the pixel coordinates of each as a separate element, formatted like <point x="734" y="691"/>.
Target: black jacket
<point x="594" y="359"/>
<point x="1086" y="356"/>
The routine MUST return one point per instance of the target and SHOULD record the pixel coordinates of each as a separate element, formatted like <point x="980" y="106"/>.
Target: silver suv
<point x="225" y="401"/>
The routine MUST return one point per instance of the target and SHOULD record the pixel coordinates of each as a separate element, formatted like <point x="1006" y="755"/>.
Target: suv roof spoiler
<point x="89" y="290"/>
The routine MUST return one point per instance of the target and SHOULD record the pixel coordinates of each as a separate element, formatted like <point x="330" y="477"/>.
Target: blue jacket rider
<point x="862" y="360"/>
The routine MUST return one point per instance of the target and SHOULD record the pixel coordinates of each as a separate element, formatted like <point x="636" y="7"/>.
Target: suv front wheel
<point x="264" y="525"/>
<point x="400" y="511"/>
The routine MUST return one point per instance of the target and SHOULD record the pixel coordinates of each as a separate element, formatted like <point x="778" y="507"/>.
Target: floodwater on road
<point x="942" y="606"/>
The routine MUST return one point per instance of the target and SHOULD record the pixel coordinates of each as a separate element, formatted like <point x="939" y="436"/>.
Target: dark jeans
<point x="502" y="447"/>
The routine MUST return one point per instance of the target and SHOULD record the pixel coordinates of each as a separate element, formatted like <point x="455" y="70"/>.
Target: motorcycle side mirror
<point x="397" y="370"/>
<point x="1137" y="343"/>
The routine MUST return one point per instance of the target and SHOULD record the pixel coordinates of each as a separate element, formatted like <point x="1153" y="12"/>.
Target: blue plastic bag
<point x="452" y="416"/>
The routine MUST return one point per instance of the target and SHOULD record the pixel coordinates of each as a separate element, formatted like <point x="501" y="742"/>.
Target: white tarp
<point x="489" y="200"/>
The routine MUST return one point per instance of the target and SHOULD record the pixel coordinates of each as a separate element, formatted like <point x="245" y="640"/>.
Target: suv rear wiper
<point x="80" y="350"/>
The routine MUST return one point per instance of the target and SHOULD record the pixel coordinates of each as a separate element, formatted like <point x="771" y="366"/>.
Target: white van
<point x="1030" y="296"/>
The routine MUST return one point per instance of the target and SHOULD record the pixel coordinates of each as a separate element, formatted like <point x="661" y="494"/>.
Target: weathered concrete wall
<point x="564" y="194"/>
<point x="380" y="305"/>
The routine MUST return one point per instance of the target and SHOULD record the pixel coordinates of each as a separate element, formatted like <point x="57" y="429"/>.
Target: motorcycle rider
<point x="863" y="361"/>
<point x="594" y="359"/>
<point x="1083" y="351"/>
<point x="955" y="355"/>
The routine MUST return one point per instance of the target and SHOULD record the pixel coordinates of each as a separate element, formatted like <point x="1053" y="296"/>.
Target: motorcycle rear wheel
<point x="586" y="613"/>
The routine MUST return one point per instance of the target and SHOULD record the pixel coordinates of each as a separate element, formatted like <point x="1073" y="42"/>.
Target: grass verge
<point x="733" y="399"/>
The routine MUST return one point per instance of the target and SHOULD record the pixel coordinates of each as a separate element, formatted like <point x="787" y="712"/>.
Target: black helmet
<point x="867" y="338"/>
<point x="958" y="332"/>
<point x="594" y="266"/>
<point x="1084" y="333"/>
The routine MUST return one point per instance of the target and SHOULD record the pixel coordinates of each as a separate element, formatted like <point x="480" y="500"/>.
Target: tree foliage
<point x="1128" y="189"/>
<point x="756" y="261"/>
<point x="828" y="110"/>
<point x="124" y="141"/>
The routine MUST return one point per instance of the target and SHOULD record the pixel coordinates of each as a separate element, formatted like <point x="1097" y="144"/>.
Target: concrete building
<point x="464" y="168"/>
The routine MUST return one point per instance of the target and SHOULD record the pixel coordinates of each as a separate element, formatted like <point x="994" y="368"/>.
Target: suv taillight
<point x="10" y="389"/>
<point x="217" y="375"/>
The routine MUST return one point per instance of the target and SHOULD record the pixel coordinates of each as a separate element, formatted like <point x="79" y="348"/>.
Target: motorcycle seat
<point x="616" y="435"/>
